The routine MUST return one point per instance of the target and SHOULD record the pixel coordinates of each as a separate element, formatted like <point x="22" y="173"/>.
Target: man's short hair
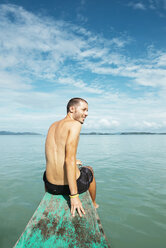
<point x="74" y="102"/>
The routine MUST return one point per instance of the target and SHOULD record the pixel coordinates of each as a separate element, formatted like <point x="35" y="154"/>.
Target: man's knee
<point x="90" y="168"/>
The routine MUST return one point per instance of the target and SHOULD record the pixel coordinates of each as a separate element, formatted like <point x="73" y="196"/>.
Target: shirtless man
<point x="62" y="175"/>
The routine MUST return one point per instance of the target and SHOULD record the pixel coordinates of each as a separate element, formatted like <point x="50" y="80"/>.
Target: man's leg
<point x="92" y="189"/>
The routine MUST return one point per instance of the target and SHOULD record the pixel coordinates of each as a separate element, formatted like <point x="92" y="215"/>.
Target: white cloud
<point x="11" y="80"/>
<point x="42" y="50"/>
<point x="150" y="124"/>
<point x="154" y="126"/>
<point x="99" y="123"/>
<point x="80" y="84"/>
<point x="45" y="62"/>
<point x="138" y="5"/>
<point x="108" y="123"/>
<point x="158" y="6"/>
<point x="155" y="4"/>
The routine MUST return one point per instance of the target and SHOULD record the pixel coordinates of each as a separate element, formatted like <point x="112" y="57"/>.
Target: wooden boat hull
<point x="53" y="226"/>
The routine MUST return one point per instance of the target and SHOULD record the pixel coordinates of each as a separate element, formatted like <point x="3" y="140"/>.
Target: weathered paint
<point x="53" y="226"/>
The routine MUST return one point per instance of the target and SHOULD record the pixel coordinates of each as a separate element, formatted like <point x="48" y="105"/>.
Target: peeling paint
<point x="53" y="226"/>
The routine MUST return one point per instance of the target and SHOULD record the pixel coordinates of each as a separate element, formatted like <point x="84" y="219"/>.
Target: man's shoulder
<point x="53" y="125"/>
<point x="75" y="123"/>
<point x="70" y="125"/>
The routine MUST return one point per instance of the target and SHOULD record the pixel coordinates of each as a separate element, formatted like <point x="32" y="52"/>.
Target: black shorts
<point x="83" y="183"/>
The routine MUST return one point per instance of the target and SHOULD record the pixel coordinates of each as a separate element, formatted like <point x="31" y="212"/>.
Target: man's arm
<point x="70" y="161"/>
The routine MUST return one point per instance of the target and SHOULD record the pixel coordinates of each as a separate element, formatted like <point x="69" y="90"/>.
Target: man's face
<point x="80" y="112"/>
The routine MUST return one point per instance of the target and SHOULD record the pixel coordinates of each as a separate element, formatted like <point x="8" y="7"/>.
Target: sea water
<point x="130" y="171"/>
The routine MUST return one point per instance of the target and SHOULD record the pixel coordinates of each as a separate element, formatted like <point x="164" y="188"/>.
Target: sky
<point x="111" y="53"/>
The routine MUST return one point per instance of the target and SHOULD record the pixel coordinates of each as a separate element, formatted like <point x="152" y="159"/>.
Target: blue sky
<point x="112" y="53"/>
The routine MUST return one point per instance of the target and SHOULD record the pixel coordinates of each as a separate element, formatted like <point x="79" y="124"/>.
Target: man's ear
<point x="72" y="109"/>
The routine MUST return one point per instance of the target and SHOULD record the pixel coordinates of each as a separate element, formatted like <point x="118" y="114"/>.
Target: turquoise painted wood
<point x="53" y="226"/>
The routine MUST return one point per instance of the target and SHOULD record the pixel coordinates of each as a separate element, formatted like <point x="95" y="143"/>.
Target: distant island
<point x="142" y="133"/>
<point x="18" y="133"/>
<point x="91" y="133"/>
<point x="123" y="133"/>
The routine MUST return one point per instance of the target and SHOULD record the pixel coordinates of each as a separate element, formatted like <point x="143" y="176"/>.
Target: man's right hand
<point x="76" y="205"/>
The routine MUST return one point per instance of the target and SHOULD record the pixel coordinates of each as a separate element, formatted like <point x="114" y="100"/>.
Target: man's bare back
<point x="55" y="148"/>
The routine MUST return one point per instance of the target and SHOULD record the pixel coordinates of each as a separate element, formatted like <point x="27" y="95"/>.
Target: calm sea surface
<point x="131" y="186"/>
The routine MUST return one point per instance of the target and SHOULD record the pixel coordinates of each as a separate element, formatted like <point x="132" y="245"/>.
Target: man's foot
<point x="95" y="205"/>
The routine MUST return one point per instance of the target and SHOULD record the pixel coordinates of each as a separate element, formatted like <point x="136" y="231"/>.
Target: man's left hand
<point x="78" y="162"/>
